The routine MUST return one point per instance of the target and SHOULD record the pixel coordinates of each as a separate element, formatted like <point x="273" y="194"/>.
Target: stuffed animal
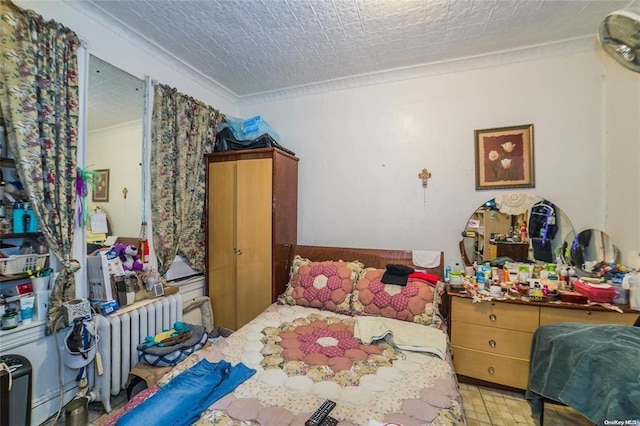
<point x="128" y="254"/>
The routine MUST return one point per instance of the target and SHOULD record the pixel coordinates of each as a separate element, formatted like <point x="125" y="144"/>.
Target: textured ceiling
<point x="115" y="97"/>
<point x="258" y="46"/>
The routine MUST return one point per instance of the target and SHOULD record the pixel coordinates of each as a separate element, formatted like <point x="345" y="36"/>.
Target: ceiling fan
<point x="619" y="35"/>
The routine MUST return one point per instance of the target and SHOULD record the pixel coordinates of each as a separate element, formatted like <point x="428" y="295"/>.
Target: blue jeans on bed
<point x="187" y="395"/>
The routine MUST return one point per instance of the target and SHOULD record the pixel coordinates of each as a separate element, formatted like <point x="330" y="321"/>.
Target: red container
<point x="572" y="297"/>
<point x="24" y="288"/>
<point x="602" y="293"/>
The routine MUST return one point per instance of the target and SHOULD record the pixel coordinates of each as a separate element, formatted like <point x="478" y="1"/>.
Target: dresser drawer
<point x="553" y="315"/>
<point x="510" y="316"/>
<point x="499" y="369"/>
<point x="494" y="340"/>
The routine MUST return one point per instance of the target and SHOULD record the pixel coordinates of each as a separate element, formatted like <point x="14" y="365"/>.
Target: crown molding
<point x="530" y="53"/>
<point x="132" y="36"/>
<point x="525" y="54"/>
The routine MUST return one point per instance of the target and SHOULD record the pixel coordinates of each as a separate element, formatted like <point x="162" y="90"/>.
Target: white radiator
<point x="121" y="334"/>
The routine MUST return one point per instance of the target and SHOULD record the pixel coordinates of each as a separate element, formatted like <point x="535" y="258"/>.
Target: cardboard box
<point x="106" y="308"/>
<point x="100" y="268"/>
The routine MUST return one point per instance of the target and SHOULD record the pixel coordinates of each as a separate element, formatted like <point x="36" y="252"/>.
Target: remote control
<point x="321" y="413"/>
<point x="329" y="421"/>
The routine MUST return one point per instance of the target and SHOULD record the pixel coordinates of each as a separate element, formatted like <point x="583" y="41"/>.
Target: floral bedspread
<point x="304" y="355"/>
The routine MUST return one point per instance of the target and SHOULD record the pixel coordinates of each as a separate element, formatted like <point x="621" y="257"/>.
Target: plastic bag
<point x="250" y="128"/>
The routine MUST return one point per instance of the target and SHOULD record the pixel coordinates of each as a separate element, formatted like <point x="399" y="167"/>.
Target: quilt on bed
<point x="304" y="355"/>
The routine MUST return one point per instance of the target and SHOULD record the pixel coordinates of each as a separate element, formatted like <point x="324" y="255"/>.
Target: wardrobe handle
<point x="239" y="252"/>
<point x="235" y="250"/>
<point x="491" y="370"/>
<point x="492" y="343"/>
<point x="493" y="317"/>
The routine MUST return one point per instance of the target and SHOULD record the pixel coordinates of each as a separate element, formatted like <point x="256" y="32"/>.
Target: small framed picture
<point x="504" y="157"/>
<point x="101" y="191"/>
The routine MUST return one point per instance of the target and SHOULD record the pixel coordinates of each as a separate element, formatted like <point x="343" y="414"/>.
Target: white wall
<point x="361" y="150"/>
<point x="622" y="132"/>
<point x="110" y="148"/>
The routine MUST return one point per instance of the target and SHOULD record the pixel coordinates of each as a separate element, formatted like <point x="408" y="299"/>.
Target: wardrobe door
<point x="221" y="244"/>
<point x="254" y="188"/>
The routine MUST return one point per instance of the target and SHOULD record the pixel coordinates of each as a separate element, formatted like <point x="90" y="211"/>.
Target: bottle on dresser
<point x="455" y="276"/>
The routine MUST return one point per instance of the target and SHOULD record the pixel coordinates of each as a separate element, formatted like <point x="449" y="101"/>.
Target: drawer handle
<point x="492" y="343"/>
<point x="588" y="312"/>
<point x="491" y="370"/>
<point x="493" y="317"/>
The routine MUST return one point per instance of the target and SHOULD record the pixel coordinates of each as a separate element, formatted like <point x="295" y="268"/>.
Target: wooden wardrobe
<point x="252" y="210"/>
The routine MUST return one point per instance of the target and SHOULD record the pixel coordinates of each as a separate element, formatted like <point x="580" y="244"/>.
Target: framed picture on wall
<point x="101" y="190"/>
<point x="504" y="157"/>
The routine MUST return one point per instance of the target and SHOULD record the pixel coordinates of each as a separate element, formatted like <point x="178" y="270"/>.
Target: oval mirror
<point x="592" y="247"/>
<point x="522" y="227"/>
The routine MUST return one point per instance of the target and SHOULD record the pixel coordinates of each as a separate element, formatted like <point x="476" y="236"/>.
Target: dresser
<point x="251" y="228"/>
<point x="491" y="340"/>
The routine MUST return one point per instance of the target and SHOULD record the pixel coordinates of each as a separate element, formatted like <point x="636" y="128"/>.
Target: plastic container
<point x="40" y="283"/>
<point x="32" y="222"/>
<point x="631" y="282"/>
<point x="456" y="279"/>
<point x="572" y="297"/>
<point x="27" y="308"/>
<point x="601" y="293"/>
<point x="22" y="263"/>
<point x="18" y="219"/>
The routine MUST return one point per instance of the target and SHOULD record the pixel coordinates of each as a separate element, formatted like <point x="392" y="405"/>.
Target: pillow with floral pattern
<point x="417" y="302"/>
<point x="325" y="285"/>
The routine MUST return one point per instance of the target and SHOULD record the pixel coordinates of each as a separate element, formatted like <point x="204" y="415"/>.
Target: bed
<point x="567" y="357"/>
<point x="317" y="343"/>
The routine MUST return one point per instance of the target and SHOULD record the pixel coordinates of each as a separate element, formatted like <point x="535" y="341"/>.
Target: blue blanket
<point x="594" y="369"/>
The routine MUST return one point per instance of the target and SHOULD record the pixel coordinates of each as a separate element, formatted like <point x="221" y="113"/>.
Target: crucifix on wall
<point x="424" y="175"/>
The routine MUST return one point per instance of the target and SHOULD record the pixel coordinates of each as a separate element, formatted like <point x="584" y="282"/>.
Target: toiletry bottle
<point x="563" y="283"/>
<point x="26" y="219"/>
<point x="33" y="222"/>
<point x="457" y="268"/>
<point x="447" y="273"/>
<point x="523" y="232"/>
<point x="455" y="276"/>
<point x="18" y="218"/>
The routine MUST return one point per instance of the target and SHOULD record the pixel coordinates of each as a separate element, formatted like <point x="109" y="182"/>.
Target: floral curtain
<point x="182" y="131"/>
<point x="39" y="103"/>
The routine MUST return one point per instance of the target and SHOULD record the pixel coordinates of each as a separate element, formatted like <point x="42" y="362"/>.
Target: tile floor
<point x="483" y="407"/>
